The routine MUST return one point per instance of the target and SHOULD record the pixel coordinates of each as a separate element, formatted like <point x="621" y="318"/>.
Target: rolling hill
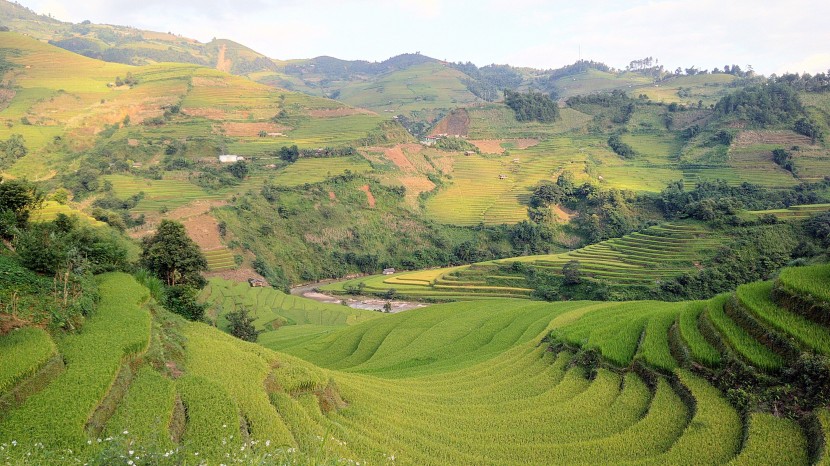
<point x="525" y="375"/>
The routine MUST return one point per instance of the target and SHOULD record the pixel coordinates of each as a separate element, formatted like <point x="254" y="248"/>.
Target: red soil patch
<point x="525" y="143"/>
<point x="494" y="146"/>
<point x="781" y="138"/>
<point x="398" y="157"/>
<point x="332" y="196"/>
<point x="457" y="123"/>
<point x="566" y="215"/>
<point x="369" y="196"/>
<point x="489" y="146"/>
<point x="252" y="129"/>
<point x="338" y="112"/>
<point x="204" y="230"/>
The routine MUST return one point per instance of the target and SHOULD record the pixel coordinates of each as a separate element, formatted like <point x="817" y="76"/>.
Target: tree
<point x="12" y="149"/>
<point x="17" y="200"/>
<point x="241" y="324"/>
<point x="387" y="307"/>
<point x="173" y="257"/>
<point x="571" y="273"/>
<point x="289" y="154"/>
<point x="239" y="169"/>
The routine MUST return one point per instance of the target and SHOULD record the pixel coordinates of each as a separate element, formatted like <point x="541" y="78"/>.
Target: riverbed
<point x="370" y="303"/>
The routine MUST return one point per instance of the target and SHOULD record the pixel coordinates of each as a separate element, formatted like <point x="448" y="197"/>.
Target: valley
<point x="210" y="256"/>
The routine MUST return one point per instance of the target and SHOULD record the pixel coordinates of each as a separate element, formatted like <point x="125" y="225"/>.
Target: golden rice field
<point x="486" y="382"/>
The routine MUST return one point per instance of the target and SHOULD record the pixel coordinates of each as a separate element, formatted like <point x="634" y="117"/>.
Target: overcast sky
<point x="773" y="37"/>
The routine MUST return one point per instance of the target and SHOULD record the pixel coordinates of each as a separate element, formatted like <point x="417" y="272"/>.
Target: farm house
<point x="230" y="158"/>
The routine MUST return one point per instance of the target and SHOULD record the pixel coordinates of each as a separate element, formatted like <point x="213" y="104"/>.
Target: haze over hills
<point x="599" y="265"/>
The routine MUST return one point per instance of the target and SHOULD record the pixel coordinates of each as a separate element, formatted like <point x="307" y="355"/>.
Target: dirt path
<point x="369" y="196"/>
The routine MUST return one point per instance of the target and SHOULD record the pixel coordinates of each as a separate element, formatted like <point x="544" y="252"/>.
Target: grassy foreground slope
<point x="496" y="382"/>
<point x="727" y="332"/>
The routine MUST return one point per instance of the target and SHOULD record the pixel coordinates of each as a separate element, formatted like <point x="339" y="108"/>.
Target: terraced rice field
<point x="220" y="259"/>
<point x="281" y="316"/>
<point x="50" y="210"/>
<point x="643" y="258"/>
<point x="796" y="212"/>
<point x="158" y="194"/>
<point x="460" y="383"/>
<point x="639" y="258"/>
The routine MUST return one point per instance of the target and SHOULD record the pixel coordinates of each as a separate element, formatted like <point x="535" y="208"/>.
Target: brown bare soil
<point x="397" y="156"/>
<point x="564" y="214"/>
<point x="494" y="146"/>
<point x="204" y="230"/>
<point x="785" y="139"/>
<point x="525" y="143"/>
<point x="209" y="113"/>
<point x="332" y="196"/>
<point x="223" y="64"/>
<point x="252" y="129"/>
<point x="200" y="81"/>
<point x="338" y="112"/>
<point x="241" y="274"/>
<point x="457" y="123"/>
<point x="489" y="146"/>
<point x="369" y="196"/>
<point x="415" y="185"/>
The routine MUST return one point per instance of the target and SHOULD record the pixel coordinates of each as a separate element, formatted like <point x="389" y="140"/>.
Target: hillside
<point x="661" y="397"/>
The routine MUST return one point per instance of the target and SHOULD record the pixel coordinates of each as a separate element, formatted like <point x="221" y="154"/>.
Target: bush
<point x="181" y="299"/>
<point x="620" y="148"/>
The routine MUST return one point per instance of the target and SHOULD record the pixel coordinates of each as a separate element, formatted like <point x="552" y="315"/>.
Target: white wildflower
<point x="267" y="443"/>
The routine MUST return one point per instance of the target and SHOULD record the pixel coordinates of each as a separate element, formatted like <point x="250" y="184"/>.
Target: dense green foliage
<point x="172" y="256"/>
<point x="531" y="106"/>
<point x="620" y="148"/>
<point x="764" y="105"/>
<point x="17" y="200"/>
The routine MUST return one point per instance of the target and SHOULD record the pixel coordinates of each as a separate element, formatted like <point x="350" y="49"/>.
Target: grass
<point x="756" y="298"/>
<point x="277" y="313"/>
<point x="739" y="339"/>
<point x="773" y="440"/>
<point x="22" y="353"/>
<point x="458" y="383"/>
<point x="50" y="210"/>
<point x="701" y="350"/>
<point x="120" y="328"/>
<point x="146" y="411"/>
<point x="808" y="281"/>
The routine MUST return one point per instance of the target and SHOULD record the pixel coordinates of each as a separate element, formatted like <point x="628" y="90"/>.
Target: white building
<point x="230" y="158"/>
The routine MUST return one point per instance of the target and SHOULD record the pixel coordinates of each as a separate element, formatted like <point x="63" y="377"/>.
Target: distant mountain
<point x="410" y="84"/>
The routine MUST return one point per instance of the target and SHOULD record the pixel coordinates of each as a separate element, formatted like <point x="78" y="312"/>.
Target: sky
<point x="770" y="36"/>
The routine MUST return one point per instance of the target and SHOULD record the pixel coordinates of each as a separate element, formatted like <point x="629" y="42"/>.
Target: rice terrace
<point x="212" y="256"/>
